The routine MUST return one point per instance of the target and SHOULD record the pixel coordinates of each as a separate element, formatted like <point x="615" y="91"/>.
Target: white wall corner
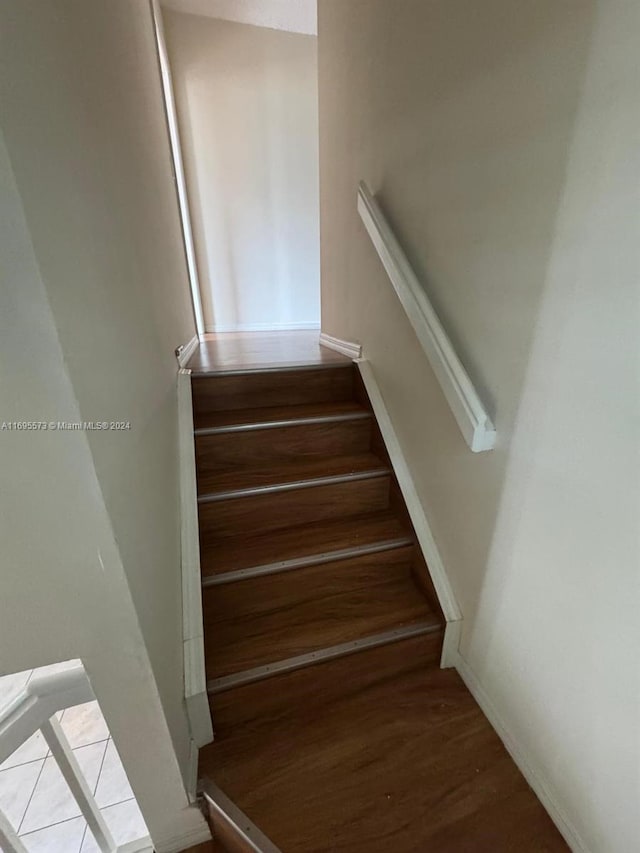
<point x="441" y="582"/>
<point x="349" y="348"/>
<point x="185" y="351"/>
<point x="525" y="762"/>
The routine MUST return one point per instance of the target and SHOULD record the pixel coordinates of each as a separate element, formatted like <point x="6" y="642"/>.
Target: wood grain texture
<point x="263" y="513"/>
<point x="232" y="450"/>
<point x="249" y="350"/>
<point x="276" y="473"/>
<point x="376" y="752"/>
<point x="213" y="846"/>
<point x="236" y="417"/>
<point x="298" y="541"/>
<point x="267" y="619"/>
<point x="270" y="388"/>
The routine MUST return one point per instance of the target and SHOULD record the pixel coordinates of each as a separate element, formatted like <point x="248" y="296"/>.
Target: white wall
<point x="247" y="108"/>
<point x="294" y="16"/>
<point x="64" y="589"/>
<point x="503" y="141"/>
<point x="84" y="125"/>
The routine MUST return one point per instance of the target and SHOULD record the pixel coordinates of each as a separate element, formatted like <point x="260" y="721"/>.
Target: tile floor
<point x="34" y="796"/>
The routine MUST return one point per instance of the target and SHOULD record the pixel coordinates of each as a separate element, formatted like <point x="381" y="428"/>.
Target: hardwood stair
<point x="335" y="727"/>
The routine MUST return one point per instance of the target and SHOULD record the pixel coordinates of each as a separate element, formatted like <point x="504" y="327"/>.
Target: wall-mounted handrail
<point x="464" y="401"/>
<point x="35" y="709"/>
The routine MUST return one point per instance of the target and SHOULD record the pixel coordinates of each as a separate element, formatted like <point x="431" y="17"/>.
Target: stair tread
<point x="270" y="618"/>
<point x="377" y="751"/>
<point x="271" y="414"/>
<point x="220" y="555"/>
<point x="280" y="472"/>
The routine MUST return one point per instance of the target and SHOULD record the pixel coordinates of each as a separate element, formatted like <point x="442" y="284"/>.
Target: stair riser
<point x="260" y="446"/>
<point x="254" y="622"/>
<point x="300" y="506"/>
<point x="218" y="392"/>
<point x="241" y="707"/>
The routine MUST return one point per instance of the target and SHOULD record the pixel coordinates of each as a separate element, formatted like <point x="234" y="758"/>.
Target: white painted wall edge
<point x="349" y="348"/>
<point x="178" y="166"/>
<point x="525" y="762"/>
<point x="184" y="352"/>
<point x="444" y="590"/>
<point x="189" y="838"/>
<point x="195" y="683"/>
<point x="463" y="399"/>
<point x="263" y="327"/>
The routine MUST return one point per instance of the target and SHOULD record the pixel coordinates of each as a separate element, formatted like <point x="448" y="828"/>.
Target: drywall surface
<point x="64" y="590"/>
<point x="84" y="123"/>
<point x="294" y="16"/>
<point x="247" y="108"/>
<point x="502" y="140"/>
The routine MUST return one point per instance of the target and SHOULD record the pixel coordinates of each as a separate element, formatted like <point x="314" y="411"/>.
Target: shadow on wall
<point x="247" y="108"/>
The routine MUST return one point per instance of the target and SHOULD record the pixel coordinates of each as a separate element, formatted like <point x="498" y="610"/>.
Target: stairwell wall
<point x="501" y="139"/>
<point x="247" y="104"/>
<point x="84" y="122"/>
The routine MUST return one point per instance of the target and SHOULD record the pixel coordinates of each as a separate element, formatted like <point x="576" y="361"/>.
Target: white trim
<point x="444" y="590"/>
<point x="349" y="348"/>
<point x="526" y="763"/>
<point x="463" y="399"/>
<point x="72" y="774"/>
<point x="262" y="327"/>
<point x="178" y="166"/>
<point x="195" y="683"/>
<point x="184" y="352"/>
<point x="9" y="837"/>
<point x="178" y="843"/>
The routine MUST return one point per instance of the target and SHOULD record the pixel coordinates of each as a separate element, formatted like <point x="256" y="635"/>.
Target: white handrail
<point x="471" y="416"/>
<point x="35" y="709"/>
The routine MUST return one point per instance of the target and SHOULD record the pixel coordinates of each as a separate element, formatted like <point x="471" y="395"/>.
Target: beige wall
<point x="64" y="589"/>
<point x="84" y="123"/>
<point x="502" y="140"/>
<point x="247" y="108"/>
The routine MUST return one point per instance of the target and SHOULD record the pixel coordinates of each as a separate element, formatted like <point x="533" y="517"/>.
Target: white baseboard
<point x="349" y="348"/>
<point x="184" y="353"/>
<point x="197" y="832"/>
<point x="444" y="590"/>
<point x="543" y="790"/>
<point x="262" y="327"/>
<point x="451" y="644"/>
<point x="195" y="682"/>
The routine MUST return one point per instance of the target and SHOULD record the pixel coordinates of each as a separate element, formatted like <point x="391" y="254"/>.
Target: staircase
<point x="335" y="727"/>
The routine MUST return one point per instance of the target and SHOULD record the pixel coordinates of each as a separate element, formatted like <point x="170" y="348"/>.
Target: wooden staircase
<point x="335" y="727"/>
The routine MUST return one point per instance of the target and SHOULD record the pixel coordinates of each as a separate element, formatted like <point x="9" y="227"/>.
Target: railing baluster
<point x="9" y="841"/>
<point x="70" y="769"/>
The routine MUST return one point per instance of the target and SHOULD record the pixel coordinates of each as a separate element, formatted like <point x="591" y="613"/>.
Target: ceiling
<point x="295" y="16"/>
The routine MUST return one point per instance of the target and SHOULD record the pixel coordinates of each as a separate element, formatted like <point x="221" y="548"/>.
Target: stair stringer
<point x="442" y="584"/>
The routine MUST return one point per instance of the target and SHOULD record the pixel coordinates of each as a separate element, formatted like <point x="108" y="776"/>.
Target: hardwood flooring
<point x="335" y="728"/>
<point x="294" y="613"/>
<point x="376" y="752"/>
<point x="260" y="350"/>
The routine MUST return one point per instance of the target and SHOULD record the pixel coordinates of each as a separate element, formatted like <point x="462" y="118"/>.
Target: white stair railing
<point x="35" y="709"/>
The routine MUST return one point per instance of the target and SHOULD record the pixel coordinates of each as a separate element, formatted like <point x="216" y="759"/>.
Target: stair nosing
<point x="329" y="653"/>
<point x="311" y="482"/>
<point x="289" y="422"/>
<point x="303" y="562"/>
<point x="276" y="368"/>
